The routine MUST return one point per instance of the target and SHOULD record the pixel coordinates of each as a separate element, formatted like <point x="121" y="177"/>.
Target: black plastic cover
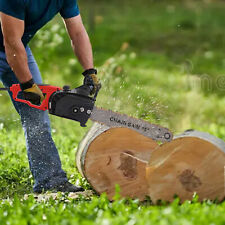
<point x="71" y="106"/>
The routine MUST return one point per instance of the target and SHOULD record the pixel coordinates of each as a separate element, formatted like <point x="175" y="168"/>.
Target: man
<point x="20" y="20"/>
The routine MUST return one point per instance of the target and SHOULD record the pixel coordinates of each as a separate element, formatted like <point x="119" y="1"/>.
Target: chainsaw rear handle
<point x="47" y="90"/>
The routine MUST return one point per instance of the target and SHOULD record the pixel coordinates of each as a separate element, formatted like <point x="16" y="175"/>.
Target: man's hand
<point x="91" y="80"/>
<point x="32" y="92"/>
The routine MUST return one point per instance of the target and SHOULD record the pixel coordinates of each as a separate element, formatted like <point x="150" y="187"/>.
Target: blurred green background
<point x="162" y="61"/>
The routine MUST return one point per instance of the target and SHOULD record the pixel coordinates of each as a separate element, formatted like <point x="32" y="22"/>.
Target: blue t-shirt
<point x="36" y="13"/>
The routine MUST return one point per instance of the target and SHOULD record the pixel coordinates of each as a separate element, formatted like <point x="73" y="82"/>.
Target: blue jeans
<point x="43" y="156"/>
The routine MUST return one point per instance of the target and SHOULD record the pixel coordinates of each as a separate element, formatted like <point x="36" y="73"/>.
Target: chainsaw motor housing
<point x="68" y="104"/>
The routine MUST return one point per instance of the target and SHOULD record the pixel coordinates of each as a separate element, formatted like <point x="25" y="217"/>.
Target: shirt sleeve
<point x="70" y="9"/>
<point x="15" y="8"/>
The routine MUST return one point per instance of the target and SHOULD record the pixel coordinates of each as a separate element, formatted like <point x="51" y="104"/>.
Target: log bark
<point x="192" y="162"/>
<point x="103" y="158"/>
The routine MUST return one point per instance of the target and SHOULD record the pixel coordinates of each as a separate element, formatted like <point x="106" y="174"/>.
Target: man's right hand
<point x="32" y="92"/>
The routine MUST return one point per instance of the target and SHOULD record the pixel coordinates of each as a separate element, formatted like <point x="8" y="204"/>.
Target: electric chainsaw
<point x="78" y="105"/>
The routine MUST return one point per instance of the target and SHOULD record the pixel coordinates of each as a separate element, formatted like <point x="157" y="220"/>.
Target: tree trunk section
<point x="192" y="162"/>
<point x="103" y="158"/>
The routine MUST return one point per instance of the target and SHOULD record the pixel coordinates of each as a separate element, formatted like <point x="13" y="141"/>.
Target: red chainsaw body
<point x="47" y="90"/>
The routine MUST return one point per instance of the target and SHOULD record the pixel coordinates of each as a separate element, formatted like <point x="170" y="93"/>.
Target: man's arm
<point x="13" y="30"/>
<point x="80" y="41"/>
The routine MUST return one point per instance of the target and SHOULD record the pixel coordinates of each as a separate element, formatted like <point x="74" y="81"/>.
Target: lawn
<point x="162" y="61"/>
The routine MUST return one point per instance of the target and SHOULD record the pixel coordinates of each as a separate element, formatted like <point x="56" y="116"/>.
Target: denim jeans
<point x="44" y="161"/>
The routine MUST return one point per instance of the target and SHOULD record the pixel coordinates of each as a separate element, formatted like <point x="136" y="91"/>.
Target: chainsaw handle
<point x="47" y="90"/>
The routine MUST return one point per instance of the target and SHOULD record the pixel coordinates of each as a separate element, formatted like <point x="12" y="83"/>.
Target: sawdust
<point x="59" y="196"/>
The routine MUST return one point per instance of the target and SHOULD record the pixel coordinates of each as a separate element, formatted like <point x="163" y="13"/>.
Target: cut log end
<point x="187" y="165"/>
<point x="112" y="157"/>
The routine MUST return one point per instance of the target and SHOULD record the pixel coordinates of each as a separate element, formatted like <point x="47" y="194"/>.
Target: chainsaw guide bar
<point x="114" y="119"/>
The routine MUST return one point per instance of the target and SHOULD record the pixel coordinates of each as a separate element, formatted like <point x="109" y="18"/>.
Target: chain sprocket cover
<point x="72" y="106"/>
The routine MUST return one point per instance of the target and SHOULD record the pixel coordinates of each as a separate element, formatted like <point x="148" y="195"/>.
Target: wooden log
<point x="103" y="158"/>
<point x="192" y="162"/>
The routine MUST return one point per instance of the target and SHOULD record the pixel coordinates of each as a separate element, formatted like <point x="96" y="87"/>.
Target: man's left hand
<point x="91" y="80"/>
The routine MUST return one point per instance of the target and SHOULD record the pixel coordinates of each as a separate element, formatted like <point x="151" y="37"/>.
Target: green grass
<point x="156" y="60"/>
<point x="99" y="210"/>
